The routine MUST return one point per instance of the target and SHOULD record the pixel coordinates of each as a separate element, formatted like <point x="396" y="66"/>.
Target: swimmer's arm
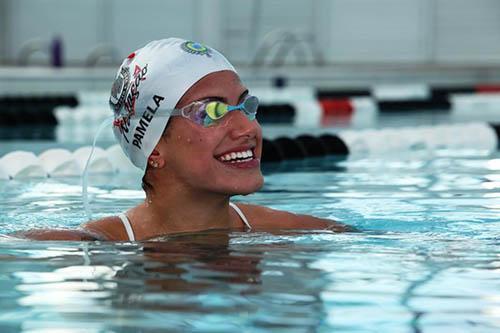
<point x="267" y="218"/>
<point x="59" y="235"/>
<point x="105" y="229"/>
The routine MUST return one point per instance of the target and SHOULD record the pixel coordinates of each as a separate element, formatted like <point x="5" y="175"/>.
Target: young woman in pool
<point x="209" y="151"/>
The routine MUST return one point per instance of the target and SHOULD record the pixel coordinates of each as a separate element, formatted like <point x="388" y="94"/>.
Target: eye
<point x="216" y="110"/>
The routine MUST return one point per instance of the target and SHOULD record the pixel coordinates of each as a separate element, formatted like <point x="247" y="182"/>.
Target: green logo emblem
<point x="195" y="48"/>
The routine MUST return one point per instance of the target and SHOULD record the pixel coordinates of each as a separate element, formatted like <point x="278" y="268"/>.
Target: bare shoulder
<point x="109" y="227"/>
<point x="261" y="217"/>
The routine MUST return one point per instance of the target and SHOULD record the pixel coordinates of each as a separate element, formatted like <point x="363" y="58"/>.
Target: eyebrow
<point x="223" y="99"/>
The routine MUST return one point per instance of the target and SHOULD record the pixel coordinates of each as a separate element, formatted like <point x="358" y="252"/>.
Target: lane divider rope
<point x="61" y="162"/>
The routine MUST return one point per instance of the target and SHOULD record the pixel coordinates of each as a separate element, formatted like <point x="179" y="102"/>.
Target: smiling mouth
<point x="237" y="156"/>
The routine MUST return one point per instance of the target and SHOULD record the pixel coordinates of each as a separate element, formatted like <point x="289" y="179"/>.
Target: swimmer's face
<point x="197" y="155"/>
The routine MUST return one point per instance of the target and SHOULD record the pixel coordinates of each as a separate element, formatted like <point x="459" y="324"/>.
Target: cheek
<point x="185" y="137"/>
<point x="190" y="152"/>
<point x="193" y="151"/>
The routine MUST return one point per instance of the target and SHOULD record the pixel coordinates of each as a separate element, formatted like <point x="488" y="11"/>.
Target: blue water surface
<point x="426" y="258"/>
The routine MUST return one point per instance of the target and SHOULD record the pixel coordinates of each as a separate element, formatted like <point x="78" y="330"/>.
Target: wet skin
<point x="192" y="185"/>
<point x="195" y="163"/>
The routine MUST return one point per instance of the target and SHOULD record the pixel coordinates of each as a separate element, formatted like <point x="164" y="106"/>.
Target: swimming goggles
<point x="207" y="112"/>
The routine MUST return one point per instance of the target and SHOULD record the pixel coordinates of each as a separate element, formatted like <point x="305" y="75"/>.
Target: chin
<point x="244" y="187"/>
<point x="248" y="190"/>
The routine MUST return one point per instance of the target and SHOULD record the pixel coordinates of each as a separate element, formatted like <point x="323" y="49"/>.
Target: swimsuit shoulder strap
<point x="128" y="226"/>
<point x="241" y="215"/>
<point x="130" y="231"/>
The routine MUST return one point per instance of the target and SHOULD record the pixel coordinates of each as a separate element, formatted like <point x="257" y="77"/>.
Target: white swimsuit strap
<point x="242" y="216"/>
<point x="130" y="232"/>
<point x="128" y="226"/>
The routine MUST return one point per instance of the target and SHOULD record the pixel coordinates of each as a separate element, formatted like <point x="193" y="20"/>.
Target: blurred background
<point x="323" y="42"/>
<point x="356" y="60"/>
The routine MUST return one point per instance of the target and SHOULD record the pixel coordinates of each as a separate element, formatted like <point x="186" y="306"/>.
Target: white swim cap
<point x="148" y="85"/>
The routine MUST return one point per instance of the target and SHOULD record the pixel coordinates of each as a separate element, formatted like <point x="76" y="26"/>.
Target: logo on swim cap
<point x="119" y="90"/>
<point x="196" y="48"/>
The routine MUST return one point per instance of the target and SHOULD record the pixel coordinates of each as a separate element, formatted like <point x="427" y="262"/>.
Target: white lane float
<point x="119" y="161"/>
<point x="401" y="92"/>
<point x="22" y="164"/>
<point x="3" y="173"/>
<point x="99" y="162"/>
<point x="458" y="136"/>
<point x="59" y="162"/>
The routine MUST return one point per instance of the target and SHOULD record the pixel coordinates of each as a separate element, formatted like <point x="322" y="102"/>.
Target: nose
<point x="241" y="126"/>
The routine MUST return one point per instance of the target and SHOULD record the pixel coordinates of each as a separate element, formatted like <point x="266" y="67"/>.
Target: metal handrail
<point x="100" y="51"/>
<point x="286" y="41"/>
<point x="29" y="48"/>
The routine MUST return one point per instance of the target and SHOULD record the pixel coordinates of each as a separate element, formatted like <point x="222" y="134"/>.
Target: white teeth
<point x="242" y="156"/>
<point x="241" y="161"/>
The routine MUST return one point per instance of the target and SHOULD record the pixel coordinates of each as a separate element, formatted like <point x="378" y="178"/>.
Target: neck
<point x="180" y="210"/>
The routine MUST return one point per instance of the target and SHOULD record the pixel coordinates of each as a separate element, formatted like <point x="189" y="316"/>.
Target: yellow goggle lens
<point x="216" y="110"/>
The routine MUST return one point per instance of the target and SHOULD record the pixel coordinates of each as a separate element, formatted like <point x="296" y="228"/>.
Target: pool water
<point x="426" y="259"/>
